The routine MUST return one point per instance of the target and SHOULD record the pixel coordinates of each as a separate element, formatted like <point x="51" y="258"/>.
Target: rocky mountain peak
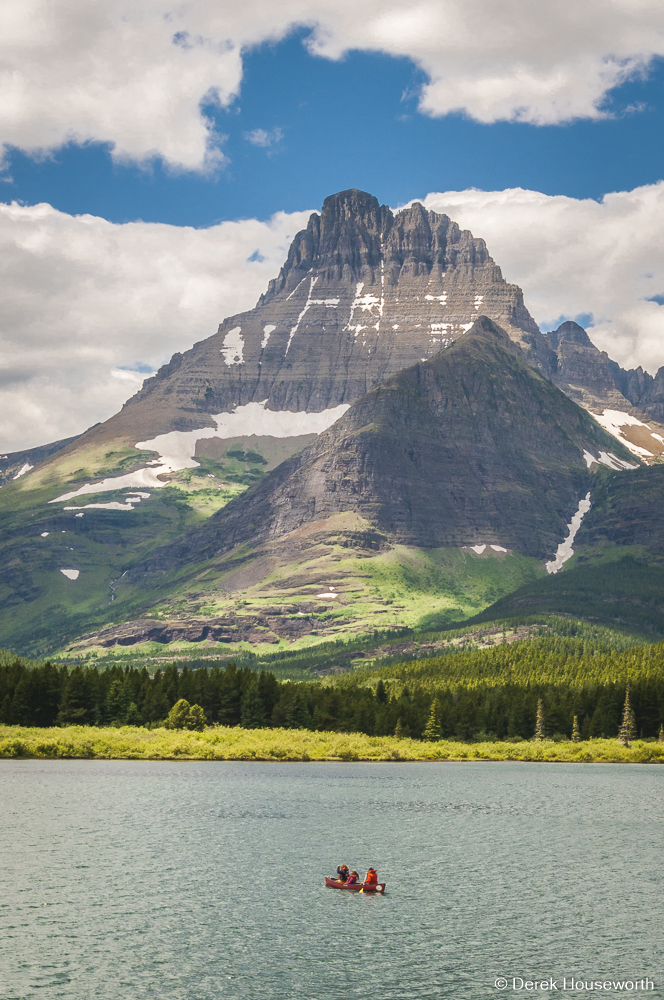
<point x="357" y="239"/>
<point x="364" y="293"/>
<point x="571" y="332"/>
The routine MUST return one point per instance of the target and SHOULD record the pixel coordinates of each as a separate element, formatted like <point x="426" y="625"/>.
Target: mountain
<point x="363" y="294"/>
<point x="469" y="464"/>
<point x="473" y="447"/>
<point x="308" y="401"/>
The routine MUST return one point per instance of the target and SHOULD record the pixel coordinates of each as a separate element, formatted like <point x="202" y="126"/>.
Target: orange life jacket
<point x="371" y="878"/>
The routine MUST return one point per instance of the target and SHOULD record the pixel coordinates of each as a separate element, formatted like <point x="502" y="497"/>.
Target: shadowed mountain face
<point x="473" y="447"/>
<point x="363" y="294"/>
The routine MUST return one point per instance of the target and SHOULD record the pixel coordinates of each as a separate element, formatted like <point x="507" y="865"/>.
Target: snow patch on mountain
<point x="609" y="460"/>
<point x="565" y="550"/>
<point x="113" y="505"/>
<point x="614" y="421"/>
<point x="176" y="448"/>
<point x="233" y="349"/>
<point x="71" y="574"/>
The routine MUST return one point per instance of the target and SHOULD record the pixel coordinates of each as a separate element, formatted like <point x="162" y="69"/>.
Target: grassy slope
<point x="40" y="608"/>
<point x="401" y="587"/>
<point x="221" y="743"/>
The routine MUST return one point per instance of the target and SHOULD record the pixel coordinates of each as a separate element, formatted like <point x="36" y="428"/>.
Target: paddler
<point x="371" y="877"/>
<point x="342" y="873"/>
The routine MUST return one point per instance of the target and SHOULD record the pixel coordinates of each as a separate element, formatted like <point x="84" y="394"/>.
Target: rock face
<point x="473" y="447"/>
<point x="644" y="391"/>
<point x="589" y="377"/>
<point x="363" y="294"/>
<point x="583" y="372"/>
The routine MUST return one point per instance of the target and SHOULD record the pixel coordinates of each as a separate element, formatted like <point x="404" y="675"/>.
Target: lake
<point x="180" y="881"/>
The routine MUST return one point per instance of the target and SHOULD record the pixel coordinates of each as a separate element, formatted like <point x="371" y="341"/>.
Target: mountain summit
<point x="363" y="293"/>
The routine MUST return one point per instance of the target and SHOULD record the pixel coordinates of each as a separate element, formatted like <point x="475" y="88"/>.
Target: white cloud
<point x="574" y="256"/>
<point x="259" y="137"/>
<point x="134" y="74"/>
<point x="85" y="304"/>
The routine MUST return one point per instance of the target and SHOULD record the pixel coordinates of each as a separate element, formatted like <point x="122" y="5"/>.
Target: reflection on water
<point x="180" y="881"/>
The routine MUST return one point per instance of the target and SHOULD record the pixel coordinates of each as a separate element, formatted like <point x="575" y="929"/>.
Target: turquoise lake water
<point x="180" y="881"/>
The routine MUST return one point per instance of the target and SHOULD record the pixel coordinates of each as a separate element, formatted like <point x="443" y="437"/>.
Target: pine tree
<point x="20" y="710"/>
<point x="576" y="735"/>
<point x="252" y="711"/>
<point x="381" y="693"/>
<point x="633" y="731"/>
<point x="133" y="716"/>
<point x="75" y="706"/>
<point x="118" y="701"/>
<point x="660" y="738"/>
<point x="298" y="716"/>
<point x="432" y="728"/>
<point x="6" y="710"/>
<point x="539" y="723"/>
<point x="398" y="730"/>
<point x="625" y="728"/>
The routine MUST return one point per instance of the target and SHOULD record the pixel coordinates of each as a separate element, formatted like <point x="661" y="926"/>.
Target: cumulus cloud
<point x="136" y="75"/>
<point x="574" y="257"/>
<point x="87" y="307"/>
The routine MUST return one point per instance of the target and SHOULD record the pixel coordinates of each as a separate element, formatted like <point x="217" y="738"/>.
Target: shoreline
<point x="227" y="744"/>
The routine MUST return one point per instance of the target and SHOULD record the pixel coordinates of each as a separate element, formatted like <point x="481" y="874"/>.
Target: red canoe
<point x="334" y="884"/>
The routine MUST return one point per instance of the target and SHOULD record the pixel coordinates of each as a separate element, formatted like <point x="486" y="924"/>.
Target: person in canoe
<point x="352" y="878"/>
<point x="342" y="873"/>
<point x="371" y="878"/>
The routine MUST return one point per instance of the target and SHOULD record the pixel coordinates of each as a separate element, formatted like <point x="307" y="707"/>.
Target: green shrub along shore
<point x="236" y="743"/>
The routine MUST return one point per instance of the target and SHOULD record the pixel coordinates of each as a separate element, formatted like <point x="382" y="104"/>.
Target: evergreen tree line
<point x="469" y="695"/>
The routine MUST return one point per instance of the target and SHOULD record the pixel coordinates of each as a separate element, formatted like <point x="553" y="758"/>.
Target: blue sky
<point x="352" y="123"/>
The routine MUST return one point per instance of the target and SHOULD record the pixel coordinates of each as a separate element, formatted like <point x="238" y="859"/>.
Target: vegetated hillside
<point x="17" y="464"/>
<point x="469" y="695"/>
<point x="39" y="606"/>
<point x="627" y="511"/>
<point x="626" y="592"/>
